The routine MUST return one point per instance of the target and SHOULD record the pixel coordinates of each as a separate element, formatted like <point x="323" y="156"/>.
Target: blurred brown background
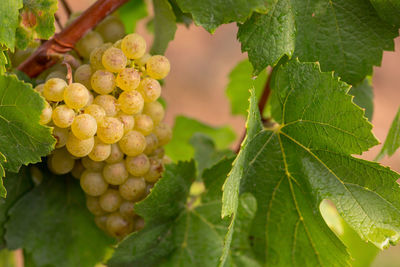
<point x="201" y="63"/>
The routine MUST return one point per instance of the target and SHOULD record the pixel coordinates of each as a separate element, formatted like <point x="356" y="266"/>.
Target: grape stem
<point x="66" y="7"/>
<point x="48" y="53"/>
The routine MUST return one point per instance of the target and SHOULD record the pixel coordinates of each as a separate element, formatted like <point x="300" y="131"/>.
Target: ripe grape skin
<point x="133" y="189"/>
<point x="151" y="143"/>
<point x="93" y="205"/>
<point x="76" y="96"/>
<point x="137" y="166"/>
<point x="54" y="89"/>
<point x="127" y="120"/>
<point x="128" y="79"/>
<point x="111" y="29"/>
<point x="45" y="117"/>
<point x="116" y="154"/>
<point x="39" y="88"/>
<point x="110" y="201"/>
<point x="114" y="59"/>
<point x="92" y="165"/>
<point x="117" y="226"/>
<point x="163" y="133"/>
<point x="155" y="110"/>
<point x="158" y="67"/>
<point x="155" y="171"/>
<point x="77" y="147"/>
<point x="61" y="136"/>
<point x="100" y="151"/>
<point x="144" y="124"/>
<point x="143" y="60"/>
<point x="101" y="222"/>
<point x="96" y="111"/>
<point x="61" y="162"/>
<point x="131" y="102"/>
<point x="127" y="209"/>
<point x="150" y="89"/>
<point x="63" y="116"/>
<point x="89" y="42"/>
<point x="84" y="126"/>
<point x="103" y="82"/>
<point x="82" y="75"/>
<point x="108" y="103"/>
<point x="133" y="143"/>
<point x="78" y="169"/>
<point x="96" y="56"/>
<point x="133" y="45"/>
<point x="110" y="130"/>
<point x="115" y="173"/>
<point x="90" y="100"/>
<point x="93" y="183"/>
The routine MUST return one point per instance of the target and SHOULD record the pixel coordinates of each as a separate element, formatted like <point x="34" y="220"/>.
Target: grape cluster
<point x="108" y="126"/>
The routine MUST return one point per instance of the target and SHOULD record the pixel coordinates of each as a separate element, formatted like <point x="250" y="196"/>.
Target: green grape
<point x="45" y="117"/>
<point x="133" y="45"/>
<point x="150" y="89"/>
<point x="114" y="60"/>
<point x="78" y="169"/>
<point x="96" y="111"/>
<point x="143" y="60"/>
<point x="100" y="151"/>
<point x="108" y="103"/>
<point x="137" y="166"/>
<point x="84" y="126"/>
<point x="163" y="133"/>
<point x="82" y="75"/>
<point x="139" y="224"/>
<point x="133" y="143"/>
<point x="96" y="56"/>
<point x="93" y="205"/>
<point x="144" y="124"/>
<point x="39" y="88"/>
<point x="89" y="42"/>
<point x="76" y="95"/>
<point x="93" y="183"/>
<point x="155" y="171"/>
<point x="96" y="166"/>
<point x="79" y="148"/>
<point x="134" y="189"/>
<point x="158" y="67"/>
<point x="116" y="154"/>
<point x="61" y="136"/>
<point x="54" y="89"/>
<point x="63" y="116"/>
<point x="115" y="173"/>
<point x="151" y="143"/>
<point x="59" y="74"/>
<point x="128" y="79"/>
<point x="103" y="82"/>
<point x="110" y="201"/>
<point x="111" y="29"/>
<point x="127" y="120"/>
<point x="61" y="162"/>
<point x="117" y="226"/>
<point x="110" y="130"/>
<point x="131" y="102"/>
<point x="101" y="222"/>
<point x="127" y="209"/>
<point x="155" y="110"/>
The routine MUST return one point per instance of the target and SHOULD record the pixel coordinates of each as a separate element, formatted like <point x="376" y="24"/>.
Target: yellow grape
<point x="92" y="165"/>
<point x="134" y="189"/>
<point x="93" y="205"/>
<point x="144" y="124"/>
<point x="103" y="82"/>
<point x="143" y="60"/>
<point x="45" y="117"/>
<point x="158" y="67"/>
<point x="128" y="79"/>
<point x="78" y="169"/>
<point x="163" y="133"/>
<point x="108" y="103"/>
<point x="97" y="54"/>
<point x="79" y="148"/>
<point x="61" y="136"/>
<point x="116" y="154"/>
<point x="137" y="166"/>
<point x="93" y="183"/>
<point x="133" y="143"/>
<point x="101" y="222"/>
<point x="110" y="201"/>
<point x="100" y="151"/>
<point x="114" y="59"/>
<point x="76" y="95"/>
<point x="133" y="45"/>
<point x="117" y="226"/>
<point x="127" y="120"/>
<point x="54" y="89"/>
<point x="127" y="209"/>
<point x="110" y="130"/>
<point x="131" y="102"/>
<point x="82" y="75"/>
<point x="89" y="42"/>
<point x="155" y="171"/>
<point x="39" y="88"/>
<point x="151" y="143"/>
<point x="96" y="111"/>
<point x="150" y="89"/>
<point x="61" y="161"/>
<point x="111" y="29"/>
<point x="84" y="126"/>
<point x="63" y="116"/>
<point x="115" y="173"/>
<point x="155" y="110"/>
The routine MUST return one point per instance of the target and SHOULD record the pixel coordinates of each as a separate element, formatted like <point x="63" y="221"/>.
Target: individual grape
<point x="127" y="120"/>
<point x="150" y="89"/>
<point x="137" y="166"/>
<point x="82" y="75"/>
<point x="61" y="162"/>
<point x="108" y="103"/>
<point x="131" y="102"/>
<point x="93" y="183"/>
<point x="79" y="148"/>
<point x="128" y="79"/>
<point x="84" y="126"/>
<point x="90" y="100"/>
<point x="151" y="143"/>
<point x="45" y="117"/>
<point x="158" y="153"/>
<point x="139" y="224"/>
<point x="115" y="173"/>
<point x="59" y="74"/>
<point x="158" y="67"/>
<point x="133" y="45"/>
<point x="103" y="82"/>
<point x="54" y="89"/>
<point x="110" y="130"/>
<point x="96" y="56"/>
<point x="155" y="171"/>
<point x="61" y="136"/>
<point x="39" y="88"/>
<point x="93" y="205"/>
<point x="78" y="169"/>
<point x="96" y="166"/>
<point x="127" y="209"/>
<point x="110" y="201"/>
<point x="163" y="133"/>
<point x="76" y="95"/>
<point x="117" y="226"/>
<point x="116" y="154"/>
<point x="89" y="42"/>
<point x="96" y="111"/>
<point x="114" y="59"/>
<point x="134" y="189"/>
<point x="144" y="124"/>
<point x="155" y="110"/>
<point x="100" y="151"/>
<point x="101" y="222"/>
<point x="111" y="29"/>
<point x="117" y="44"/>
<point x="63" y="116"/>
<point x="143" y="60"/>
<point x="133" y="143"/>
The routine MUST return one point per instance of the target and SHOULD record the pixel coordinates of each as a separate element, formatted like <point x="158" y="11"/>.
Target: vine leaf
<point x="388" y="10"/>
<point x="131" y="12"/>
<point x="364" y="97"/>
<point x="22" y="139"/>
<point x="306" y="158"/>
<point x="52" y="224"/>
<point x="164" y="26"/>
<point x="212" y="13"/>
<point x="347" y="36"/>
<point x="9" y="17"/>
<point x="392" y="142"/>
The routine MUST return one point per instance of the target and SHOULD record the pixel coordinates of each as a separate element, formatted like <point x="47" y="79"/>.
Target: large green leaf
<point x="306" y="158"/>
<point x="52" y="224"/>
<point x="180" y="149"/>
<point x="346" y="36"/>
<point x="212" y="13"/>
<point x="131" y="12"/>
<point x="22" y="139"/>
<point x="164" y="26"/>
<point x="392" y="142"/>
<point x="364" y="97"/>
<point x="9" y="10"/>
<point x="388" y="10"/>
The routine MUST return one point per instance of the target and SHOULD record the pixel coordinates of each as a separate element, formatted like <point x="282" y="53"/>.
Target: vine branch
<point x="48" y="53"/>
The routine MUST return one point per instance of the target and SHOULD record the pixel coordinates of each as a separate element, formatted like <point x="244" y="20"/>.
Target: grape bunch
<point x="108" y="126"/>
